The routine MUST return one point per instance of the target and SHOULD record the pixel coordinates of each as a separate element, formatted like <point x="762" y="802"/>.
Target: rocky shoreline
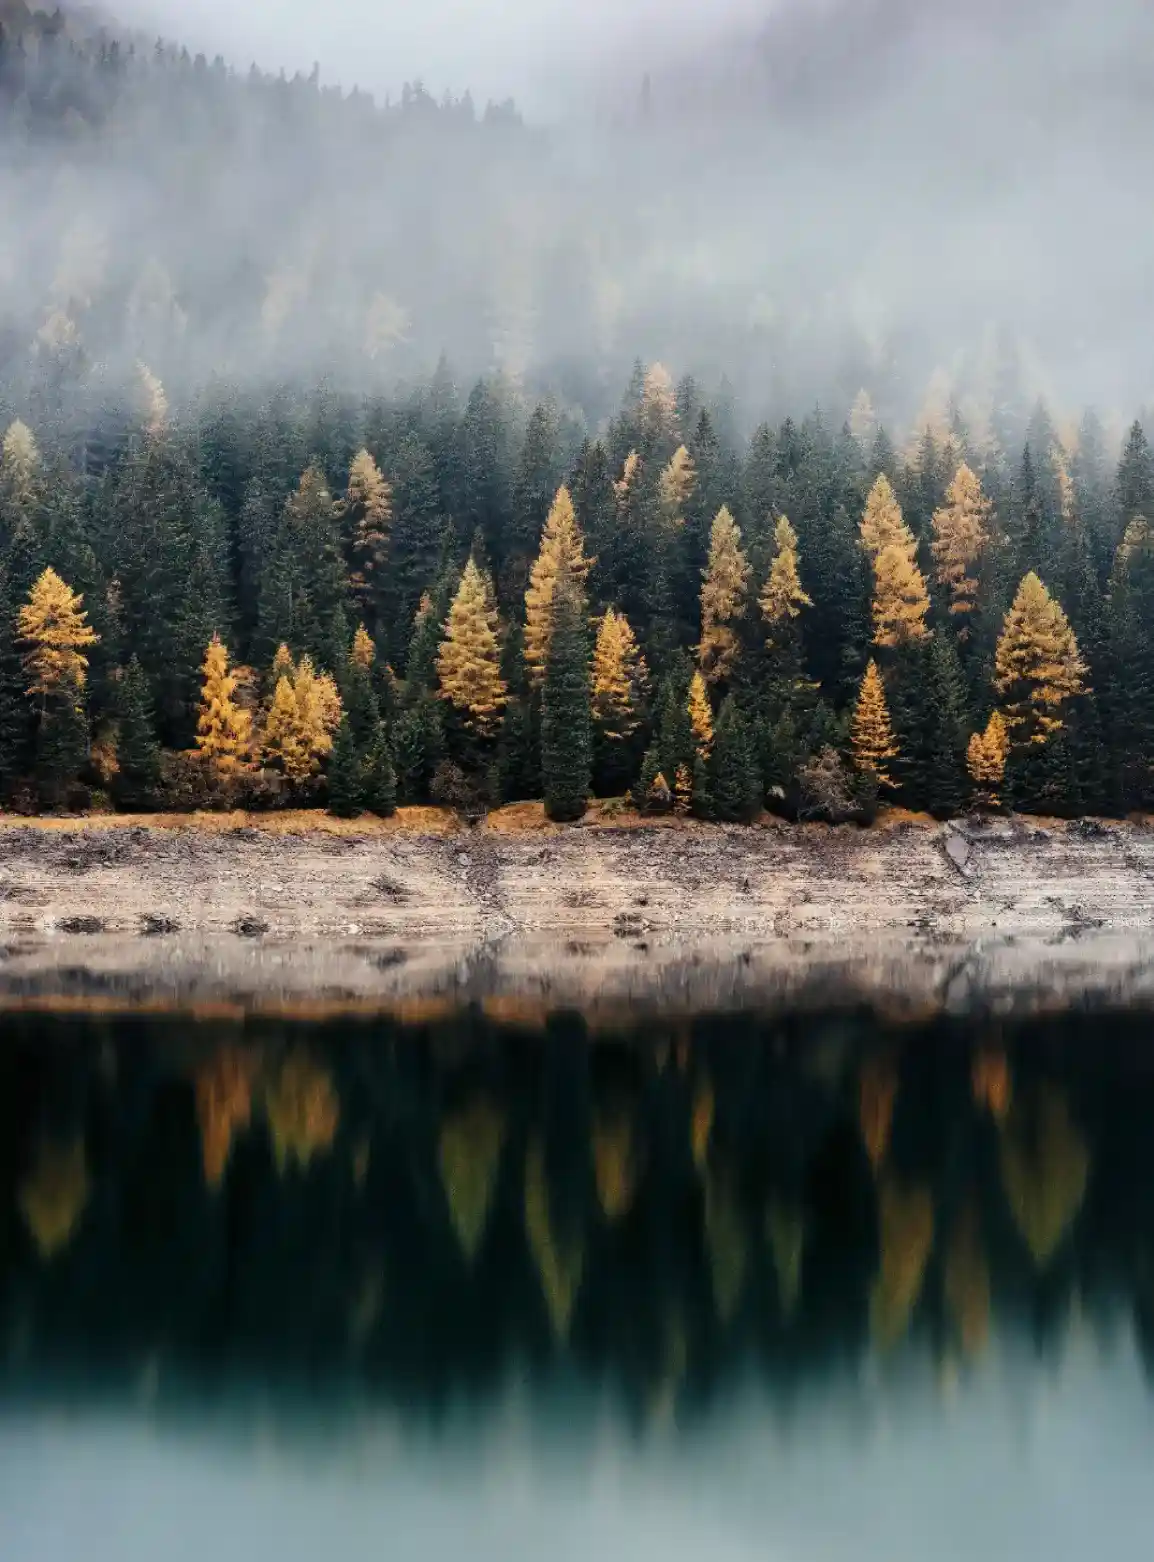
<point x="911" y="913"/>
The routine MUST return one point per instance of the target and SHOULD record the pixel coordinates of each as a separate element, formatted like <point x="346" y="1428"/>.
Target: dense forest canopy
<point x="342" y="461"/>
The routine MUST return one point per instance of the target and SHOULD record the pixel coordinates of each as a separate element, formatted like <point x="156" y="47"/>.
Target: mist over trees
<point x="315" y="433"/>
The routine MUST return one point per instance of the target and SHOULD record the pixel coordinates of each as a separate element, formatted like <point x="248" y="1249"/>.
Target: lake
<point x="497" y="1283"/>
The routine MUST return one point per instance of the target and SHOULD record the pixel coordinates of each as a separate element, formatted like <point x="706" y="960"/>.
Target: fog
<point x="803" y="199"/>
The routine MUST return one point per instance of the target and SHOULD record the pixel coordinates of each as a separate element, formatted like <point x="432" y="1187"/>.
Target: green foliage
<point x="734" y="785"/>
<point x="137" y="778"/>
<point x="346" y="773"/>
<point x="566" y="729"/>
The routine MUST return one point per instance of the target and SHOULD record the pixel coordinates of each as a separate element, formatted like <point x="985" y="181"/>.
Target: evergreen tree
<point x="566" y="742"/>
<point x="379" y="777"/>
<point x="346" y="773"/>
<point x="137" y="776"/>
<point x="15" y="711"/>
<point x="734" y="785"/>
<point x="725" y="582"/>
<point x="305" y="597"/>
<point x="534" y="487"/>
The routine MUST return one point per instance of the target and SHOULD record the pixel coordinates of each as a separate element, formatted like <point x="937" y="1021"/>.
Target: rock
<point x="958" y="851"/>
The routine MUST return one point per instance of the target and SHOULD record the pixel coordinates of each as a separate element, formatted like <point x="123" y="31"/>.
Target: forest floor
<point x="301" y="909"/>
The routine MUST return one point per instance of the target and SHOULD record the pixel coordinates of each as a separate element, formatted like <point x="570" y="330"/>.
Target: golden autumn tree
<point x="19" y="469"/>
<point x="900" y="598"/>
<point x="700" y="716"/>
<point x="675" y="486"/>
<point x="223" y="1084"/>
<point x="56" y="633"/>
<point x="961" y="535"/>
<point x="153" y="401"/>
<point x="782" y="598"/>
<point x="871" y="734"/>
<point x="469" y="657"/>
<point x="658" y="402"/>
<point x="364" y="652"/>
<point x="986" y="758"/>
<point x="1037" y="665"/>
<point x="619" y="678"/>
<point x="302" y="1109"/>
<point x="724" y="584"/>
<point x="298" y="727"/>
<point x="368" y="507"/>
<point x="562" y="546"/>
<point x="906" y="1236"/>
<point x="223" y="728"/>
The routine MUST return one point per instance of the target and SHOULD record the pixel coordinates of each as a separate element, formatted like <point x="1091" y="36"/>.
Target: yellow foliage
<point x="613" y="1165"/>
<point x="560" y="1261"/>
<point x="675" y="486"/>
<point x="906" y="1231"/>
<point x="626" y="483"/>
<point x="682" y="790"/>
<point x="299" y="725"/>
<point x="155" y="401"/>
<point x="967" y="1282"/>
<point x="302" y="1109"/>
<point x="57" y="633"/>
<point x="223" y="728"/>
<point x="19" y="462"/>
<point x="364" y="652"/>
<point x="882" y="525"/>
<point x="658" y="798"/>
<point x="724" y="584"/>
<point x="54" y="1195"/>
<point x="370" y="498"/>
<point x="618" y="679"/>
<point x="986" y="756"/>
<point x="782" y="598"/>
<point x="561" y="546"/>
<point x="658" y="401"/>
<point x="224" y="1084"/>
<point x="961" y="533"/>
<point x="700" y="715"/>
<point x="992" y="1084"/>
<point x="900" y="601"/>
<point x="1045" y="1168"/>
<point x="469" y="1153"/>
<point x="877" y="1097"/>
<point x="871" y="734"/>
<point x="726" y="1244"/>
<point x="469" y="657"/>
<point x="1037" y="665"/>
<point x="785" y="1228"/>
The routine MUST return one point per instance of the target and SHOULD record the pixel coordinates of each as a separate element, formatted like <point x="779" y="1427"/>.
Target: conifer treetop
<point x="700" y="715"/>
<point x="871" y="735"/>
<point x="56" y="631"/>
<point x="725" y="581"/>
<point x="1037" y="666"/>
<point x="468" y="660"/>
<point x="562" y="547"/>
<point x="961" y="533"/>
<point x="618" y="679"/>
<point x="224" y="728"/>
<point x="782" y="597"/>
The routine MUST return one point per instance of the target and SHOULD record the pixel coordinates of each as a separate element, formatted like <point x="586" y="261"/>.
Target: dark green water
<point x="801" y="1288"/>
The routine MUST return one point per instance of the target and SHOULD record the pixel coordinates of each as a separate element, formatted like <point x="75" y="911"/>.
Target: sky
<point x="497" y="48"/>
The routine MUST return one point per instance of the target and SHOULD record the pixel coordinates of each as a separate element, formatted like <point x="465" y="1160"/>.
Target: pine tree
<point x="346" y="774"/>
<point x="566" y="744"/>
<point x="734" y="785"/>
<point x="700" y="716"/>
<point x="1038" y="667"/>
<point x="1128" y="688"/>
<point x="562" y="549"/>
<point x="137" y="751"/>
<point x="871" y="735"/>
<point x="380" y="776"/>
<point x="468" y="661"/>
<point x="961" y="534"/>
<point x="986" y="759"/>
<point x="15" y="711"/>
<point x="224" y="728"/>
<point x="725" y="582"/>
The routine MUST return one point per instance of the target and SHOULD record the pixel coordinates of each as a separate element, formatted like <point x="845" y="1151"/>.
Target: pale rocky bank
<point x="292" y="911"/>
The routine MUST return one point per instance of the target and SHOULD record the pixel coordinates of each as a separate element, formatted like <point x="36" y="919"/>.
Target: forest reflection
<point x="417" y="1211"/>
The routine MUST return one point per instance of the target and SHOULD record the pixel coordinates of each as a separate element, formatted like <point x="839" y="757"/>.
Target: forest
<point x="265" y="543"/>
<point x="409" y="1211"/>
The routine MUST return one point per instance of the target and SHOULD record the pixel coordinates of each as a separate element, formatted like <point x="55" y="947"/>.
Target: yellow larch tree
<point x="961" y="534"/>
<point x="364" y="652"/>
<point x="153" y="400"/>
<point x="224" y="1082"/>
<point x="618" y="679"/>
<point x="223" y="728"/>
<point x="469" y="657"/>
<point x="871" y="734"/>
<point x="369" y="502"/>
<point x="700" y="715"/>
<point x="658" y="401"/>
<point x="675" y="486"/>
<point x="1037" y="665"/>
<point x="298" y="727"/>
<point x="900" y="598"/>
<point x="782" y="598"/>
<point x="55" y="630"/>
<point x="724" y="584"/>
<point x="302" y="1108"/>
<point x="627" y="482"/>
<point x="986" y="758"/>
<point x="19" y="466"/>
<point x="562" y="545"/>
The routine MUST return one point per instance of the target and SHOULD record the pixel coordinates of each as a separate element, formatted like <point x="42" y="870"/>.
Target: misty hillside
<point x="855" y="195"/>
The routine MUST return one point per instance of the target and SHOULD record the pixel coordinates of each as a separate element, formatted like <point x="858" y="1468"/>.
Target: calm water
<point x="485" y="1286"/>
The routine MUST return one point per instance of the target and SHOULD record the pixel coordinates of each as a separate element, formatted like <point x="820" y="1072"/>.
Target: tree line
<point x="360" y="602"/>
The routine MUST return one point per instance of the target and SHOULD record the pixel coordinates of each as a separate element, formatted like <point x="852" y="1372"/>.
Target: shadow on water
<point x="703" y="1236"/>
